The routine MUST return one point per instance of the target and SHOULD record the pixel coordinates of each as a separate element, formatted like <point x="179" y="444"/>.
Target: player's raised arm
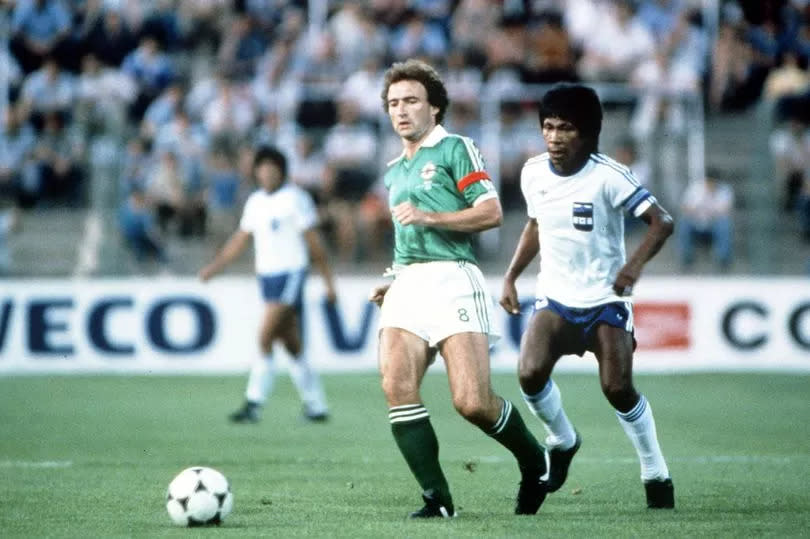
<point x="527" y="248"/>
<point x="659" y="227"/>
<point x="317" y="254"/>
<point x="229" y="252"/>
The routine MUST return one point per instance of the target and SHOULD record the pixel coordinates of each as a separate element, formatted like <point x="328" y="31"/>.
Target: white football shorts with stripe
<point x="435" y="300"/>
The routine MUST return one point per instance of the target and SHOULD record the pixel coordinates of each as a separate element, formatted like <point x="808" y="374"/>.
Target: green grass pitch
<point x="91" y="456"/>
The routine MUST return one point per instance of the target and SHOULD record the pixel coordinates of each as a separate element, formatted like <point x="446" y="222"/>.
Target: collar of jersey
<point x="577" y="171"/>
<point x="435" y="136"/>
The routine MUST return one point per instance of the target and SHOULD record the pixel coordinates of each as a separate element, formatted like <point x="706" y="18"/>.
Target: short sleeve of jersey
<point x="468" y="171"/>
<point x="248" y="221"/>
<point x="624" y="190"/>
<point x="307" y="214"/>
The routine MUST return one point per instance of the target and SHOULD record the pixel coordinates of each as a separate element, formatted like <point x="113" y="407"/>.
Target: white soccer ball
<point x="199" y="496"/>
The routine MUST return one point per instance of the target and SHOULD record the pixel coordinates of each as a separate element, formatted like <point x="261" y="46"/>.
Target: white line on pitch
<point x="36" y="463"/>
<point x="712" y="459"/>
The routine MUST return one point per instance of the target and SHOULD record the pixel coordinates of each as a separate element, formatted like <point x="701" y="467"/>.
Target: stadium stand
<point x="201" y="83"/>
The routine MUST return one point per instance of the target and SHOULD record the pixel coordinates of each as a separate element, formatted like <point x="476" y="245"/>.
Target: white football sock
<point x="308" y="384"/>
<point x="260" y="380"/>
<point x="639" y="425"/>
<point x="547" y="405"/>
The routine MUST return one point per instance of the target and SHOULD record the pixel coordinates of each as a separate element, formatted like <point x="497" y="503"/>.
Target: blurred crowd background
<point x="128" y="126"/>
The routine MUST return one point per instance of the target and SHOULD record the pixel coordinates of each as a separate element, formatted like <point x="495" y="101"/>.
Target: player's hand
<point x="625" y="281"/>
<point x="206" y="273"/>
<point x="378" y="294"/>
<point x="408" y="214"/>
<point x="509" y="298"/>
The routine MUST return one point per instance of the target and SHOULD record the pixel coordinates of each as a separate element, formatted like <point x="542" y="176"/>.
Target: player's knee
<point x="531" y="376"/>
<point x="471" y="408"/>
<point x="398" y="392"/>
<point x="620" y="394"/>
<point x="293" y="347"/>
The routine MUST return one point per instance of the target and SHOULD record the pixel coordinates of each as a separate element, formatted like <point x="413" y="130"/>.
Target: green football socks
<point x="417" y="442"/>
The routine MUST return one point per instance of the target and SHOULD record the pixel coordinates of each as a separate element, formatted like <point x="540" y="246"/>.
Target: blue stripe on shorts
<point x="617" y="314"/>
<point x="286" y="288"/>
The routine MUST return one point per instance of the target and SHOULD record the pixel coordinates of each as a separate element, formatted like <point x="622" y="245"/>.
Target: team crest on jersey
<point x="427" y="173"/>
<point x="583" y="216"/>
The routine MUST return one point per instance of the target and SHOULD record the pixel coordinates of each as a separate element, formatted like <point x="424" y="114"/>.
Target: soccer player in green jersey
<point x="440" y="195"/>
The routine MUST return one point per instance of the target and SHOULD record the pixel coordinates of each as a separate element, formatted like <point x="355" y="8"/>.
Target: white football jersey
<point x="278" y="221"/>
<point x="581" y="226"/>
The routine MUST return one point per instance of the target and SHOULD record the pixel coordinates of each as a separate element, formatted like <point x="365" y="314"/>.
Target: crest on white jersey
<point x="583" y="216"/>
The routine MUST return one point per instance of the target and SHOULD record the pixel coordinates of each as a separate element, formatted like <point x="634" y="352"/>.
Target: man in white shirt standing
<point x="282" y="219"/>
<point x="576" y="197"/>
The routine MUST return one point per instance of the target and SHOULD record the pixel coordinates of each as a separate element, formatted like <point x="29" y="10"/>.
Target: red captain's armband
<point x="471" y="178"/>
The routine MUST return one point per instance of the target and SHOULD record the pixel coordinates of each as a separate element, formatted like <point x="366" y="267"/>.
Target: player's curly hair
<point x="577" y="104"/>
<point x="273" y="155"/>
<point x="422" y="73"/>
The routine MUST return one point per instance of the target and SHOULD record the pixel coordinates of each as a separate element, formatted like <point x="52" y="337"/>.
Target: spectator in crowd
<point x="204" y="20"/>
<point x="788" y="78"/>
<point x="519" y="141"/>
<point x="19" y="174"/>
<point x="362" y="83"/>
<point x="418" y="37"/>
<point x="60" y="156"/>
<point x="231" y="114"/>
<point x="103" y="96"/>
<point x="176" y="196"/>
<point x="463" y="80"/>
<point x="141" y="235"/>
<point x="738" y="70"/>
<point x="471" y="20"/>
<point x="39" y="30"/>
<point x="506" y="49"/>
<point x="109" y="37"/>
<point x="162" y="22"/>
<point x="188" y="140"/>
<point x="658" y="123"/>
<point x="357" y="36"/>
<point x="242" y="45"/>
<point x="660" y="16"/>
<point x="706" y="218"/>
<point x="308" y="167"/>
<point x="49" y="89"/>
<point x="350" y="148"/>
<point x="790" y="149"/>
<point x="621" y="42"/>
<point x="550" y="56"/>
<point x="222" y="191"/>
<point x="152" y="71"/>
<point x="136" y="167"/>
<point x="14" y="75"/>
<point x="162" y="110"/>
<point x="462" y="118"/>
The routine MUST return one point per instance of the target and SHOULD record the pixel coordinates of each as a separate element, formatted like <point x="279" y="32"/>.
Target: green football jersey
<point x="445" y="175"/>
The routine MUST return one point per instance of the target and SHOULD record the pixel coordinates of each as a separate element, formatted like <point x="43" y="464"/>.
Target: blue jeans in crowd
<point x="719" y="235"/>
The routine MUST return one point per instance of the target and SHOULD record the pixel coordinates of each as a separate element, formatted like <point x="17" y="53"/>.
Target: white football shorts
<point x="435" y="300"/>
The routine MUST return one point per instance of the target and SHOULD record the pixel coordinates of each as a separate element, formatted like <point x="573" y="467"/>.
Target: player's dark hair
<point x="272" y="154"/>
<point x="577" y="104"/>
<point x="422" y="73"/>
